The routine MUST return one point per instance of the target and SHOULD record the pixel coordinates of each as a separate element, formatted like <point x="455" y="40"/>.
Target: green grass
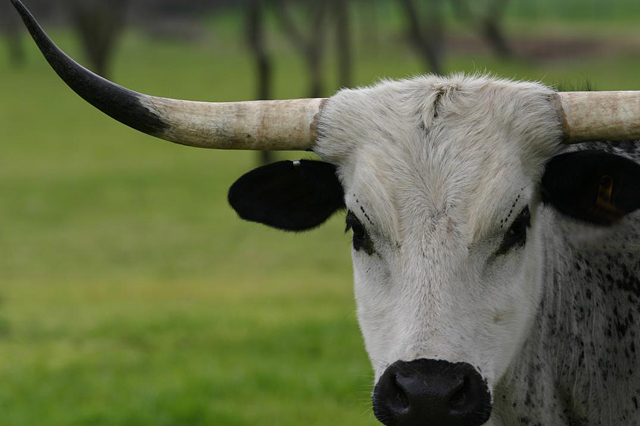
<point x="130" y="294"/>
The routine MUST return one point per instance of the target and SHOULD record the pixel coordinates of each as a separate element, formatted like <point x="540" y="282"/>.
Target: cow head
<point x="442" y="180"/>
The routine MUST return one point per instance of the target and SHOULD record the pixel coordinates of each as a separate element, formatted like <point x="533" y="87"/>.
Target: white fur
<point x="431" y="166"/>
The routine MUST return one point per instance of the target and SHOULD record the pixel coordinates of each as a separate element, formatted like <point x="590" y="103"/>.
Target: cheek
<point x="375" y="301"/>
<point x="373" y="280"/>
<point x="518" y="280"/>
<point x="513" y="296"/>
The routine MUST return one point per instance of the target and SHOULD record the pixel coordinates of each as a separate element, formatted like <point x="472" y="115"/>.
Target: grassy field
<point x="130" y="294"/>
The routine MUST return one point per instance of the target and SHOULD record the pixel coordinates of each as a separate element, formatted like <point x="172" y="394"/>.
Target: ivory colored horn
<point x="600" y="116"/>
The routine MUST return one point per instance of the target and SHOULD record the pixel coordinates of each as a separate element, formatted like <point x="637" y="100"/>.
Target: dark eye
<point x="361" y="240"/>
<point x="516" y="236"/>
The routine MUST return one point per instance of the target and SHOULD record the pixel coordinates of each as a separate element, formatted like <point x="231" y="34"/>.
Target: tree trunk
<point x="428" y="41"/>
<point x="12" y="31"/>
<point x="495" y="37"/>
<point x="488" y="25"/>
<point x="310" y="46"/>
<point x="316" y="49"/>
<point x="14" y="41"/>
<point x="491" y="27"/>
<point x="99" y="24"/>
<point x="256" y="40"/>
<point x="314" y="63"/>
<point x="343" y="40"/>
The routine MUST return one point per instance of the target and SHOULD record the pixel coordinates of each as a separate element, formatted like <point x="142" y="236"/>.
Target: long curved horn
<point x="599" y="116"/>
<point x="257" y="125"/>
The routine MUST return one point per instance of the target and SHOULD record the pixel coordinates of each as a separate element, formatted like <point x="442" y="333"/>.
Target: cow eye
<point x="516" y="236"/>
<point x="361" y="240"/>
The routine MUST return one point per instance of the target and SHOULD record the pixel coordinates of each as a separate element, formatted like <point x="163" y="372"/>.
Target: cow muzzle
<point x="431" y="392"/>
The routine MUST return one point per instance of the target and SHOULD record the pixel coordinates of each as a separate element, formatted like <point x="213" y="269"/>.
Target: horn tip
<point x="18" y="5"/>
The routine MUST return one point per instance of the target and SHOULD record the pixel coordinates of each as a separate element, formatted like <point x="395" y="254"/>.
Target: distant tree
<point x="426" y="31"/>
<point x="12" y="32"/>
<point x="99" y="24"/>
<point x="486" y="18"/>
<point x="311" y="44"/>
<point x="255" y="24"/>
<point x="340" y="9"/>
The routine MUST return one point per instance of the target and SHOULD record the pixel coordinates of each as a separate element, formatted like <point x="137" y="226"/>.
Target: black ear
<point x="288" y="195"/>
<point x="592" y="186"/>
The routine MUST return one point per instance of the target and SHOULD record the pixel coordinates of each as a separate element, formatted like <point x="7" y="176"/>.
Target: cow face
<point x="442" y="181"/>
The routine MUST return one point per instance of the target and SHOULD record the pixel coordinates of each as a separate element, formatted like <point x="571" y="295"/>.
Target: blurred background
<point x="130" y="294"/>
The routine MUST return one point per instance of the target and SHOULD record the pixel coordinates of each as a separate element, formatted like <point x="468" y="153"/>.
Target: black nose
<point x="429" y="392"/>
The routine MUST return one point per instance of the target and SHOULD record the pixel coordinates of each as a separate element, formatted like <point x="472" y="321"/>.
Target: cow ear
<point x="592" y="186"/>
<point x="288" y="195"/>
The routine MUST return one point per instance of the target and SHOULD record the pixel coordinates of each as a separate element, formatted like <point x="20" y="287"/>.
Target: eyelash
<point x="516" y="236"/>
<point x="361" y="240"/>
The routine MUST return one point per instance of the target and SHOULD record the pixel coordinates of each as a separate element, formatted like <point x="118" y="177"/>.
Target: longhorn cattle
<point x="496" y="266"/>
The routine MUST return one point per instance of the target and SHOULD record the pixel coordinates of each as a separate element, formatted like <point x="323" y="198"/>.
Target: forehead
<point x="462" y="148"/>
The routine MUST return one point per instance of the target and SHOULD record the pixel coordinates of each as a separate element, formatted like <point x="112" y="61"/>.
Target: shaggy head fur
<point x="438" y="171"/>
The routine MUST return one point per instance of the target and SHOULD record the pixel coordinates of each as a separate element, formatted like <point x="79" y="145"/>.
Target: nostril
<point x="431" y="392"/>
<point x="459" y="395"/>
<point x="401" y="401"/>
